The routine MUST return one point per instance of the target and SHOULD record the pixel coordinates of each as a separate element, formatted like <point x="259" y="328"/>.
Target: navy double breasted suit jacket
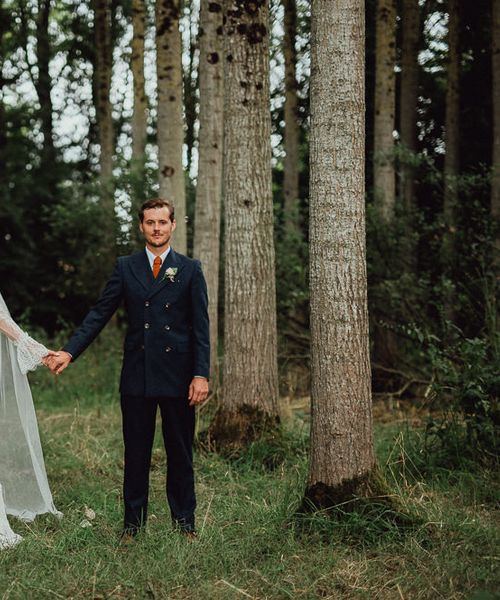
<point x="168" y="339"/>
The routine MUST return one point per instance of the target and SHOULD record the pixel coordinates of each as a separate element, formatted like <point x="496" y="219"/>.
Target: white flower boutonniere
<point x="170" y="274"/>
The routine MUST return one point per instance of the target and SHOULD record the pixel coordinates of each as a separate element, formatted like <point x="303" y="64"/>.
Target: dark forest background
<point x="433" y="281"/>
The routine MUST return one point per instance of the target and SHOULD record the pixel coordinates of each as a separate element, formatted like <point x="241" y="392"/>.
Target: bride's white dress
<point x="24" y="489"/>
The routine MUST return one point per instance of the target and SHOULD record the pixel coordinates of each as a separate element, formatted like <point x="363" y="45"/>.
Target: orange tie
<point x="156" y="266"/>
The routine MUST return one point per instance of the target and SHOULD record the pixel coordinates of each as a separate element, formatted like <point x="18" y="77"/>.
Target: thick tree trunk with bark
<point x="495" y="182"/>
<point x="409" y="94"/>
<point x="170" y="120"/>
<point x="291" y="174"/>
<point x="385" y="105"/>
<point x="342" y="456"/>
<point x="452" y="133"/>
<point x="139" y="116"/>
<point x="103" y="65"/>
<point x="250" y="386"/>
<point x="209" y="184"/>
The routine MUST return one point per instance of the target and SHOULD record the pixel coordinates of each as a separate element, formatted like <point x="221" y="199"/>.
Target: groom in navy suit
<point x="165" y="363"/>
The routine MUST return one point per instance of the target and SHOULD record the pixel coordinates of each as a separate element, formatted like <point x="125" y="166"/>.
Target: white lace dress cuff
<point x="29" y="353"/>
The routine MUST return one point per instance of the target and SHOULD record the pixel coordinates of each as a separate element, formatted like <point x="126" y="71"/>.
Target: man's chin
<point x="157" y="243"/>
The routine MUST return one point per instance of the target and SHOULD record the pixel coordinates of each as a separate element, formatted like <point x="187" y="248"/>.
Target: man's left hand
<point x="198" y="391"/>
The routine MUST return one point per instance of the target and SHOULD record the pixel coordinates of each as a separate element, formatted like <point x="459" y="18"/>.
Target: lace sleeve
<point x="29" y="351"/>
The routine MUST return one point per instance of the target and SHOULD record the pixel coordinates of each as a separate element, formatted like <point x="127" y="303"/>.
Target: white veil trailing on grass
<point x="24" y="489"/>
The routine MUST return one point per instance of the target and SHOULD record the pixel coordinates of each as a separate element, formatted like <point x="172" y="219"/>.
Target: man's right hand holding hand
<point x="58" y="363"/>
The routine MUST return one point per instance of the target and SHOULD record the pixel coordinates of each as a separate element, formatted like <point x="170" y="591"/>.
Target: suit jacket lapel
<point x="142" y="270"/>
<point x="161" y="281"/>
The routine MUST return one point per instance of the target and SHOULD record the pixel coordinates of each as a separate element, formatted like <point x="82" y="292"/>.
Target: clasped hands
<point x="57" y="361"/>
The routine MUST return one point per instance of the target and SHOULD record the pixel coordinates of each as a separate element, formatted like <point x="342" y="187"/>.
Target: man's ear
<point x="140" y="227"/>
<point x="174" y="224"/>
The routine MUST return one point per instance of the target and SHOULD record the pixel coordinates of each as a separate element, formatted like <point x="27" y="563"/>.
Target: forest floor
<point x="251" y="542"/>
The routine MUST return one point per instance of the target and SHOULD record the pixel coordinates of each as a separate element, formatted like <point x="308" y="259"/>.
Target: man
<point x="165" y="364"/>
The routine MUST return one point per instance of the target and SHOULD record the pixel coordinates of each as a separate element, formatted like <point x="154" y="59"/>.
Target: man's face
<point x="157" y="227"/>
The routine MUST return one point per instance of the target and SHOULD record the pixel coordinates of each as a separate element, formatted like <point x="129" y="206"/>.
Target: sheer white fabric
<point x="24" y="489"/>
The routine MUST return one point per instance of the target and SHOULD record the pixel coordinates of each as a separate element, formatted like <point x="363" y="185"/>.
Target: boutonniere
<point x="170" y="274"/>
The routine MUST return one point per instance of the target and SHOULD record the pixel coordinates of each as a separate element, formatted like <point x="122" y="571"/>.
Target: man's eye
<point x="163" y="222"/>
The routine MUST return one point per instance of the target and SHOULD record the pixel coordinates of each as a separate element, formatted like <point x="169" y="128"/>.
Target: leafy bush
<point x="464" y="394"/>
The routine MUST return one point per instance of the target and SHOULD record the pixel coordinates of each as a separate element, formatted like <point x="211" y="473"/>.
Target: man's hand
<point x="58" y="363"/>
<point x="198" y="391"/>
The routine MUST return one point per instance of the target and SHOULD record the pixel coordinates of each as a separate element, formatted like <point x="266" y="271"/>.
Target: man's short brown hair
<point x="157" y="203"/>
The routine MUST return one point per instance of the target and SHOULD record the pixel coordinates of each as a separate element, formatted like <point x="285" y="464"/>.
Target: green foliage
<point x="466" y="388"/>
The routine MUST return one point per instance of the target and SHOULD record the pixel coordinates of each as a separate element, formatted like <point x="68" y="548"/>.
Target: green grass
<point x="251" y="542"/>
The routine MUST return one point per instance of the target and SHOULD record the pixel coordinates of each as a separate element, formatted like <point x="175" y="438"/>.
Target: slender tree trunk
<point x="342" y="456"/>
<point x="44" y="87"/>
<point x="4" y="31"/>
<point x="250" y="386"/>
<point x="451" y="159"/>
<point x="140" y="113"/>
<point x="495" y="182"/>
<point x="104" y="61"/>
<point x="209" y="184"/>
<point x="291" y="175"/>
<point x="408" y="102"/>
<point x="139" y="116"/>
<point x="385" y="104"/>
<point x="170" y="120"/>
<point x="190" y="86"/>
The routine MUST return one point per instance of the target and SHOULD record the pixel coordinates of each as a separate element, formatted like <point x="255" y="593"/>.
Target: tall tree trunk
<point x="170" y="120"/>
<point x="140" y="112"/>
<point x="190" y="86"/>
<point x="495" y="182"/>
<point x="5" y="23"/>
<point x="451" y="159"/>
<point x="104" y="61"/>
<point x="408" y="102"/>
<point x="342" y="456"/>
<point x="209" y="184"/>
<point x="291" y="175"/>
<point x="139" y="116"/>
<point x="43" y="89"/>
<point x="250" y="386"/>
<point x="385" y="104"/>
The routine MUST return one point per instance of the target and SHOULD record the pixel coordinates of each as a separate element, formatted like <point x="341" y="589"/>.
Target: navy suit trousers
<point x="139" y="420"/>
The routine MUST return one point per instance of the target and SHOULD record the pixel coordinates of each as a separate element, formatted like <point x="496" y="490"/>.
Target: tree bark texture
<point x="495" y="182"/>
<point x="409" y="96"/>
<point x="452" y="131"/>
<point x="170" y="120"/>
<point x="385" y="105"/>
<point x="341" y="430"/>
<point x="139" y="116"/>
<point x="250" y="338"/>
<point x="103" y="49"/>
<point x="210" y="148"/>
<point x="291" y="174"/>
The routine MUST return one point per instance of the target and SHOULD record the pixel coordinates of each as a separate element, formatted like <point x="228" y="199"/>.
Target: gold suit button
<point x="168" y="348"/>
<point x="146" y="325"/>
<point x="167" y="327"/>
<point x="167" y="305"/>
<point x="146" y="303"/>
